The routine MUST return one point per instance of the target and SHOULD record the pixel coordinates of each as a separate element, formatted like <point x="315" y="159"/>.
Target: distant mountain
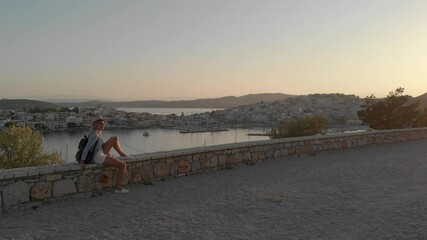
<point x="423" y="100"/>
<point x="224" y="102"/>
<point x="24" y="104"/>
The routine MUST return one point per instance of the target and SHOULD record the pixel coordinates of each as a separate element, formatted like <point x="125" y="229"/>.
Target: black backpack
<point x="82" y="145"/>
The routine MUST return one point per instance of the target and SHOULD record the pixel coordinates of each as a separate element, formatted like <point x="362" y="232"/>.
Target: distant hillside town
<point x="339" y="109"/>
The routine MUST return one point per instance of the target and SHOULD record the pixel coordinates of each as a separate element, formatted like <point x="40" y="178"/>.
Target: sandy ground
<point x="374" y="192"/>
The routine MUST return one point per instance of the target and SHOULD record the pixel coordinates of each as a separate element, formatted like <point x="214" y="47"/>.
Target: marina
<point x="140" y="141"/>
<point x="200" y="130"/>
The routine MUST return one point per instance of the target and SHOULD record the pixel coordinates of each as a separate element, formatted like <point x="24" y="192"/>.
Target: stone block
<point x="63" y="187"/>
<point x="46" y="170"/>
<point x="174" y="169"/>
<point x="292" y="151"/>
<point x="161" y="170"/>
<point x="213" y="162"/>
<point x="254" y="156"/>
<point x="236" y="151"/>
<point x="226" y="152"/>
<point x="277" y="153"/>
<point x="135" y="176"/>
<point x="230" y="160"/>
<point x="170" y="160"/>
<point x="311" y="147"/>
<point x="247" y="156"/>
<point x="261" y="155"/>
<point x="300" y="150"/>
<point x="52" y="177"/>
<point x="196" y="157"/>
<point x="75" y="167"/>
<point x="238" y="157"/>
<point x="209" y="155"/>
<point x="104" y="180"/>
<point x="184" y="167"/>
<point x="41" y="190"/>
<point x="265" y="148"/>
<point x="195" y="166"/>
<point x="33" y="172"/>
<point x="21" y="173"/>
<point x="317" y="148"/>
<point x="8" y="174"/>
<point x="338" y="145"/>
<point x="62" y="168"/>
<point x="222" y="160"/>
<point x="72" y="176"/>
<point x="327" y="146"/>
<point x="16" y="193"/>
<point x="126" y="177"/>
<point x="204" y="163"/>
<point x="147" y="173"/>
<point x="85" y="183"/>
<point x="203" y="156"/>
<point x="188" y="157"/>
<point x="269" y="154"/>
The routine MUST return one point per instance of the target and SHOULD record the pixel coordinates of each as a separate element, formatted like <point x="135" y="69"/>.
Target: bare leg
<point x="114" y="162"/>
<point x="113" y="142"/>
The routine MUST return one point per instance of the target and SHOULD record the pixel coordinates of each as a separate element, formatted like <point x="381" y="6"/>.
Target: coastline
<point x="197" y="130"/>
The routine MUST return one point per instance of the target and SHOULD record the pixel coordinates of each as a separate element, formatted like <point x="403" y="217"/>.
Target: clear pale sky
<point x="189" y="49"/>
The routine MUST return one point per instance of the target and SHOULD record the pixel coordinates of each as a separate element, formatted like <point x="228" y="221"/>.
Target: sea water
<point x="134" y="142"/>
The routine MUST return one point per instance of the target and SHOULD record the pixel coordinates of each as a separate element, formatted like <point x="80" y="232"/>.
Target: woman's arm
<point x="93" y="136"/>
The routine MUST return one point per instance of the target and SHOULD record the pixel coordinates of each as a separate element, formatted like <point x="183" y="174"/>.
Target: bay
<point x="134" y="142"/>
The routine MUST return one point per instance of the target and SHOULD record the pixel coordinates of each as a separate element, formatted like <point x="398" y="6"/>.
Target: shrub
<point x="305" y="126"/>
<point x="390" y="113"/>
<point x="22" y="147"/>
<point x="422" y="119"/>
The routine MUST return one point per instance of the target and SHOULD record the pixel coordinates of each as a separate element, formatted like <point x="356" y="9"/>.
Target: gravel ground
<point x="374" y="192"/>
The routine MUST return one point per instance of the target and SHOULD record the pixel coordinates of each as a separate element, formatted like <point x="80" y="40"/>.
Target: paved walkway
<point x="374" y="192"/>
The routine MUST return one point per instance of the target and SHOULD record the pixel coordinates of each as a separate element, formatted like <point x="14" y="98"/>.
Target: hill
<point x="24" y="104"/>
<point x="423" y="100"/>
<point x="224" y="102"/>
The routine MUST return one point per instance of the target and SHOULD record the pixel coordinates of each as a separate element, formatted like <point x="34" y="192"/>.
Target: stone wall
<point x="30" y="187"/>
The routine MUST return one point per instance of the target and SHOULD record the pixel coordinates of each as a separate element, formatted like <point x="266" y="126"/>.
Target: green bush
<point x="422" y="119"/>
<point x="305" y="126"/>
<point x="22" y="147"/>
<point x="393" y="112"/>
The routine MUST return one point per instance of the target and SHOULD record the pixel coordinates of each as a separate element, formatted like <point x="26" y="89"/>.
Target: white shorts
<point x="99" y="157"/>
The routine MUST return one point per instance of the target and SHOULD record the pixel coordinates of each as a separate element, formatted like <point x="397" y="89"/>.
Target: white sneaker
<point x="123" y="190"/>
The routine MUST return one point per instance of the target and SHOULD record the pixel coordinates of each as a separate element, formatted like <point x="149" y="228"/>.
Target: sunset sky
<point x="190" y="49"/>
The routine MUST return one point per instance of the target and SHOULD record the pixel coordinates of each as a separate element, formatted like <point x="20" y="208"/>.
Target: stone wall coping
<point x="26" y="187"/>
<point x="6" y="174"/>
<point x="227" y="146"/>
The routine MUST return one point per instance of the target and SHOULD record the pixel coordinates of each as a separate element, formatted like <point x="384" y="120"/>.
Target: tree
<point x="391" y="113"/>
<point x="422" y="119"/>
<point x="305" y="126"/>
<point x="22" y="147"/>
<point x="64" y="109"/>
